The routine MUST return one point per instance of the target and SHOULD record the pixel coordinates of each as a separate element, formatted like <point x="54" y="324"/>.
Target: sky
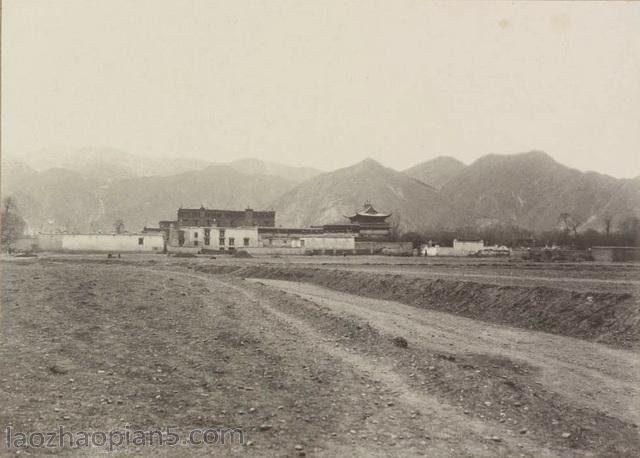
<point x="325" y="84"/>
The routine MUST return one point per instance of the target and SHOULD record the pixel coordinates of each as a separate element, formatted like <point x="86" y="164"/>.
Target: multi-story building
<point x="205" y="217"/>
<point x="213" y="238"/>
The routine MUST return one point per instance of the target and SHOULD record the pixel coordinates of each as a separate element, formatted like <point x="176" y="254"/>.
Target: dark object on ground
<point x="109" y="256"/>
<point x="447" y="357"/>
<point x="400" y="342"/>
<point x="557" y="255"/>
<point x="57" y="369"/>
<point x="184" y="255"/>
<point x="26" y="254"/>
<point x="242" y="254"/>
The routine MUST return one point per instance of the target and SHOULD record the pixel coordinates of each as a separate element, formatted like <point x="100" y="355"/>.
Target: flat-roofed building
<point x="205" y="217"/>
<point x="212" y="238"/>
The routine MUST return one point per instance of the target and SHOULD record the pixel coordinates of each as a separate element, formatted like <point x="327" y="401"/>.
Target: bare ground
<point x="302" y="370"/>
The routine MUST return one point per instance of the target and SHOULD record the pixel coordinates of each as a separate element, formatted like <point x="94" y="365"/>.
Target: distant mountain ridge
<point x="106" y="165"/>
<point x="327" y="197"/>
<point x="260" y="167"/>
<point x="529" y="190"/>
<point x="436" y="172"/>
<point x="61" y="199"/>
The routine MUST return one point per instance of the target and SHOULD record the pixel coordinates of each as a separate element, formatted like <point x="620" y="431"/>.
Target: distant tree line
<point x="626" y="233"/>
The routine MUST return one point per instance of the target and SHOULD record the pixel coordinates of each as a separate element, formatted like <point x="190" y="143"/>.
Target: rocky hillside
<point x="61" y="199"/>
<point x="327" y="197"/>
<point x="531" y="190"/>
<point x="436" y="172"/>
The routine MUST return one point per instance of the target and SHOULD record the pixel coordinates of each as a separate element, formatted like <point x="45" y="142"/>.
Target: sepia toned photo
<point x="320" y="228"/>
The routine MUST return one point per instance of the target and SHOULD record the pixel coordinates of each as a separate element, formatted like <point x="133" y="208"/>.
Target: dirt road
<point x="594" y="375"/>
<point x="107" y="346"/>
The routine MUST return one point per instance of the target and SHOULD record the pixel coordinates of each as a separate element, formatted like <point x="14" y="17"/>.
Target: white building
<point x="213" y="238"/>
<point x="468" y="246"/>
<point x="459" y="248"/>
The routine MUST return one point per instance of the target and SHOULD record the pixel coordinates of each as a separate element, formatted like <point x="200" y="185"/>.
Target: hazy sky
<point x="325" y="83"/>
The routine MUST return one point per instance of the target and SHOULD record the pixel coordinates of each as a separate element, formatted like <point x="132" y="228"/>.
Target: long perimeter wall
<point x="98" y="242"/>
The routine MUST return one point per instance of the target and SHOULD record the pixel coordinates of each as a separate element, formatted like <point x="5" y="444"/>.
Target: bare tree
<point x="565" y="220"/>
<point x="13" y="224"/>
<point x="118" y="226"/>
<point x="607" y="219"/>
<point x="569" y="222"/>
<point x="395" y="227"/>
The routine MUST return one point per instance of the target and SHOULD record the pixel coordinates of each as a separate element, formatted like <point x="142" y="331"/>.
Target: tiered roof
<point x="369" y="211"/>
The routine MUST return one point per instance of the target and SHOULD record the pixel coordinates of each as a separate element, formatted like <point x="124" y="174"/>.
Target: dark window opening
<point x="246" y="241"/>
<point x="140" y="240"/>
<point x="232" y="241"/>
<point x="221" y="240"/>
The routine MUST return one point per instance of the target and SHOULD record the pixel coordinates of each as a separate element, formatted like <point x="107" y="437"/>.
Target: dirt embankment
<point x="612" y="318"/>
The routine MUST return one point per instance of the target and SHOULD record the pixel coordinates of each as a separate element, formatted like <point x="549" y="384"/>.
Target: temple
<point x="372" y="223"/>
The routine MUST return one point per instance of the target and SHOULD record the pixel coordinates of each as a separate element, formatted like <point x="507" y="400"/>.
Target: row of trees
<point x="626" y="233"/>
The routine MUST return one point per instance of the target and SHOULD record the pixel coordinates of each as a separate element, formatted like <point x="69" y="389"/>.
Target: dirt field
<point x="148" y="342"/>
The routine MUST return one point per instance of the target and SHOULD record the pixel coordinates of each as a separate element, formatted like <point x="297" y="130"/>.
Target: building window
<point x="195" y="243"/>
<point x="221" y="240"/>
<point x="207" y="232"/>
<point x="195" y="235"/>
<point x="246" y="241"/>
<point x="140" y="240"/>
<point x="207" y="241"/>
<point x="221" y="233"/>
<point x="232" y="241"/>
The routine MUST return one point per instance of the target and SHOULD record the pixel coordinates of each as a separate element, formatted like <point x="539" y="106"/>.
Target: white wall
<point x="328" y="243"/>
<point x="113" y="242"/>
<point x="280" y="242"/>
<point x="470" y="246"/>
<point x="447" y="251"/>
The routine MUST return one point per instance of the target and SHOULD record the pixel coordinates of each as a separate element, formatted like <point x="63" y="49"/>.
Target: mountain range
<point x="436" y="172"/>
<point x="88" y="190"/>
